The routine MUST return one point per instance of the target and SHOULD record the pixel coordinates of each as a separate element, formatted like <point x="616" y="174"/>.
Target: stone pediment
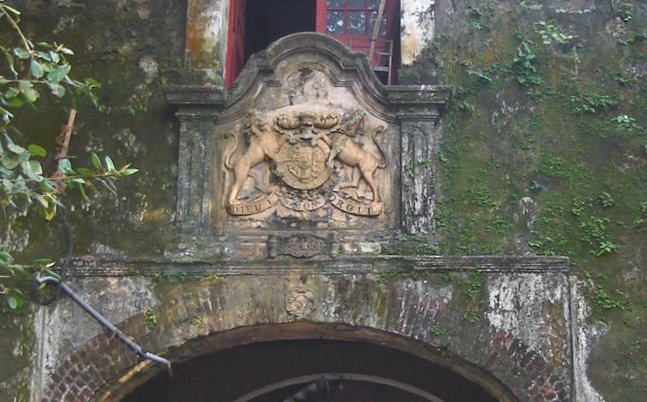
<point x="289" y="60"/>
<point x="308" y="142"/>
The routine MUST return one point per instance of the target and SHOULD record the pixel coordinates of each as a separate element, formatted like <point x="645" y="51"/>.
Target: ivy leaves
<point x="32" y="72"/>
<point x="22" y="180"/>
<point x="45" y="66"/>
<point x="34" y="68"/>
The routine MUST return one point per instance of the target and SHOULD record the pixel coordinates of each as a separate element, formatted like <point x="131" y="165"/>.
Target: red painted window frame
<point x="320" y="23"/>
<point x="233" y="63"/>
<point x="233" y="60"/>
<point x="361" y="42"/>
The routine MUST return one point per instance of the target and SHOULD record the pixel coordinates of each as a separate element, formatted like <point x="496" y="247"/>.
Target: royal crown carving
<point x="304" y="158"/>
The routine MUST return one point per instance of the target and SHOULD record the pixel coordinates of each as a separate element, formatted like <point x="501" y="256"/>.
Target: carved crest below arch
<point x="308" y="142"/>
<point x="305" y="152"/>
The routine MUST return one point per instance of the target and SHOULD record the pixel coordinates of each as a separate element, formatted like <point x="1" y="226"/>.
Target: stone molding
<point x="87" y="267"/>
<point x="481" y="347"/>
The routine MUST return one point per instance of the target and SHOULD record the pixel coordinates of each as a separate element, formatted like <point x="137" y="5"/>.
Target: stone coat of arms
<point x="295" y="156"/>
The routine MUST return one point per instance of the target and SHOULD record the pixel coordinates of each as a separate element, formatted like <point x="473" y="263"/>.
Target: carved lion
<point x="352" y="154"/>
<point x="262" y="145"/>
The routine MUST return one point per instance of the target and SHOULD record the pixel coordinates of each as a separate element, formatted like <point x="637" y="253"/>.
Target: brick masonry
<point x="420" y="311"/>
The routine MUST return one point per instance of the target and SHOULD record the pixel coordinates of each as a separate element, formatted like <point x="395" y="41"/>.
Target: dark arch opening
<point x="268" y="21"/>
<point x="313" y="369"/>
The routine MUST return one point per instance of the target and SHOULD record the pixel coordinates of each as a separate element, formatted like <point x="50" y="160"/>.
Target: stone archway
<point x="422" y="317"/>
<point x="274" y="360"/>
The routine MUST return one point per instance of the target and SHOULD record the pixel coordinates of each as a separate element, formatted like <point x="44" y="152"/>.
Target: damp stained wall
<point x="533" y="159"/>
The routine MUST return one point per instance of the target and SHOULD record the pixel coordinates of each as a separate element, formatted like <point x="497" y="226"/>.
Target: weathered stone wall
<point x="132" y="48"/>
<point x="533" y="160"/>
<point x="507" y="316"/>
<point x="537" y="157"/>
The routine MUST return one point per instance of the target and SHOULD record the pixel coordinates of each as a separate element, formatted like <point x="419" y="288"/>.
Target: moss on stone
<point x="504" y="141"/>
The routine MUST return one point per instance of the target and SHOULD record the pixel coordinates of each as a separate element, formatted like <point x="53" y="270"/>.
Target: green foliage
<point x="210" y="278"/>
<point x="606" y="200"/>
<point x="578" y="208"/>
<point x="23" y="181"/>
<point x="642" y="207"/>
<point x="35" y="70"/>
<point x="480" y="74"/>
<point x="198" y="321"/>
<point x="481" y="196"/>
<point x="438" y="331"/>
<point x="425" y="163"/>
<point x="590" y="103"/>
<point x="10" y="269"/>
<point x="410" y="245"/>
<point x="552" y="166"/>
<point x="150" y="319"/>
<point x="546" y="245"/>
<point x="641" y="221"/>
<point x="594" y="233"/>
<point x="563" y="149"/>
<point x="472" y="288"/>
<point x="409" y="169"/>
<point x="180" y="276"/>
<point x="550" y="33"/>
<point x="617" y="301"/>
<point x="34" y="67"/>
<point x="625" y="122"/>
<point x="524" y="65"/>
<point x="625" y="11"/>
<point x="498" y="225"/>
<point x="475" y="20"/>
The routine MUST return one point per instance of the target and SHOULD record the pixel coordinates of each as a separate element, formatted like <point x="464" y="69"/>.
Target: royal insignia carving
<point x="304" y="158"/>
<point x="299" y="302"/>
<point x="303" y="167"/>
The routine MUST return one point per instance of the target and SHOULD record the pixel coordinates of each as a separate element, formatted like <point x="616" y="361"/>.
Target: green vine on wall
<point x="32" y="70"/>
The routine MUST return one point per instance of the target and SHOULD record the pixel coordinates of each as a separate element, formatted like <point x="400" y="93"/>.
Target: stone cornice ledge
<point x="418" y="94"/>
<point x="195" y="95"/>
<point x="418" y="102"/>
<point x="89" y="267"/>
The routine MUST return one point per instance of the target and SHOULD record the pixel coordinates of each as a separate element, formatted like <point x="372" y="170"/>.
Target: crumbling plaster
<point x="417" y="21"/>
<point x="421" y="303"/>
<point x="502" y="299"/>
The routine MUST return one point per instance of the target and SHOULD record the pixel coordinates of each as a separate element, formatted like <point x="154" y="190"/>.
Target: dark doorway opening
<point x="255" y="24"/>
<point x="310" y="370"/>
<point x="268" y="21"/>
